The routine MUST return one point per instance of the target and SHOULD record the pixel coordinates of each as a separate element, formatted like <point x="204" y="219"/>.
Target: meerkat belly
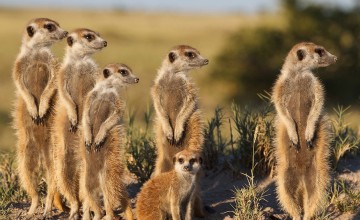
<point x="173" y="99"/>
<point x="100" y="111"/>
<point x="300" y="103"/>
<point x="36" y="78"/>
<point x="78" y="87"/>
<point x="299" y="107"/>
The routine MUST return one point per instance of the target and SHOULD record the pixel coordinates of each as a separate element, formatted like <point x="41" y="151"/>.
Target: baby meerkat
<point x="303" y="134"/>
<point x="178" y="121"/>
<point x="77" y="77"/>
<point x="103" y="145"/>
<point x="171" y="193"/>
<point x="34" y="77"/>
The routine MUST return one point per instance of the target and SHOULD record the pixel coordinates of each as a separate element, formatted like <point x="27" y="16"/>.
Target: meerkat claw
<point x="309" y="144"/>
<point x="88" y="146"/>
<point x="73" y="128"/>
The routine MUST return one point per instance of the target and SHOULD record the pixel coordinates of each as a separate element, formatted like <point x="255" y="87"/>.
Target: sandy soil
<point x="217" y="192"/>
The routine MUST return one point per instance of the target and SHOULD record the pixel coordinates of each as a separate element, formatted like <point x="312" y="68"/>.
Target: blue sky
<point x="248" y="6"/>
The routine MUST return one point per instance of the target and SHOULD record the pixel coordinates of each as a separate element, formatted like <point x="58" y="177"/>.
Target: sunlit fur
<point x="34" y="74"/>
<point x="171" y="193"/>
<point x="178" y="122"/>
<point x="103" y="145"/>
<point x="77" y="77"/>
<point x="303" y="133"/>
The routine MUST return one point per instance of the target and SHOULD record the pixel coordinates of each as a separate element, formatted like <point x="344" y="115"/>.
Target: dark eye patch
<point x="320" y="51"/>
<point x="181" y="160"/>
<point x="50" y="27"/>
<point x="123" y="72"/>
<point x="192" y="161"/>
<point x="89" y="37"/>
<point x="190" y="54"/>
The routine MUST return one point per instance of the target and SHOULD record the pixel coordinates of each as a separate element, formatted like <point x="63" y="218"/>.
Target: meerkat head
<point x="84" y="42"/>
<point x="184" y="58"/>
<point x="43" y="32"/>
<point x="187" y="162"/>
<point x="120" y="72"/>
<point x="310" y="56"/>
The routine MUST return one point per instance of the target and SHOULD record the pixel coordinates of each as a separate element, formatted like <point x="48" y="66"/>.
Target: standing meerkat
<point x="77" y="77"/>
<point x="34" y="77"/>
<point x="178" y="122"/>
<point x="171" y="193"/>
<point x="303" y="134"/>
<point x="103" y="144"/>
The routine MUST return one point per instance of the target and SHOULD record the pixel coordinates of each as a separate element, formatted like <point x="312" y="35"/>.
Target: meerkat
<point x="178" y="123"/>
<point x="77" y="76"/>
<point x="171" y="193"/>
<point x="303" y="134"/>
<point x="34" y="77"/>
<point x="103" y="144"/>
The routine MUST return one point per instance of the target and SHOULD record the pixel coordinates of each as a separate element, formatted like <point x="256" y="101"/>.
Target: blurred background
<point x="245" y="41"/>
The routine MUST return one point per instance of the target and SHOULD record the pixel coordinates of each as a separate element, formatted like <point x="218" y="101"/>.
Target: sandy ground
<point x="218" y="191"/>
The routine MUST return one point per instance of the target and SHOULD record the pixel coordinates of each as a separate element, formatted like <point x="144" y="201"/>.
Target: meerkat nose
<point x="105" y="43"/>
<point x="206" y="62"/>
<point x="137" y="80"/>
<point x="65" y="33"/>
<point x="187" y="168"/>
<point x="335" y="58"/>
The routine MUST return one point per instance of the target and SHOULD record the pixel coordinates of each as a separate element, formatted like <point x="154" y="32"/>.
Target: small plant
<point x="10" y="190"/>
<point x="141" y="148"/>
<point x="214" y="141"/>
<point x="246" y="120"/>
<point x="345" y="138"/>
<point x="247" y="200"/>
<point x="347" y="199"/>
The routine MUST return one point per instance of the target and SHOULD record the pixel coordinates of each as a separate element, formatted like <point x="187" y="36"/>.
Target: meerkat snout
<point x="64" y="34"/>
<point x="206" y="62"/>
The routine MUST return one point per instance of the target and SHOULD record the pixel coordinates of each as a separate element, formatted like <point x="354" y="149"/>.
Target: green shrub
<point x="10" y="190"/>
<point x="245" y="121"/>
<point x="345" y="138"/>
<point x="141" y="148"/>
<point x="215" y="143"/>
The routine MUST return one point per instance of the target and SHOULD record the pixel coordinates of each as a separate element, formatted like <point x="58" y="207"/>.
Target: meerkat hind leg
<point x="27" y="175"/>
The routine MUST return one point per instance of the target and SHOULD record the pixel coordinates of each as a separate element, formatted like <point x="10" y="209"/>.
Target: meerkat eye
<point x="50" y="27"/>
<point x="89" y="37"/>
<point x="124" y="72"/>
<point x="320" y="51"/>
<point x="192" y="161"/>
<point x="191" y="55"/>
<point x="181" y="161"/>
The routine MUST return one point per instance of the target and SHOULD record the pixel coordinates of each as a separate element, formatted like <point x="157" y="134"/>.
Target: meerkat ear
<point x="300" y="54"/>
<point x="30" y="31"/>
<point x="106" y="73"/>
<point x="174" y="160"/>
<point x="70" y="41"/>
<point x="200" y="160"/>
<point x="172" y="57"/>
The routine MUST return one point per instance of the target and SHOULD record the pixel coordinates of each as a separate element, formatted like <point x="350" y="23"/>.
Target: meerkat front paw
<point x="309" y="136"/>
<point x="43" y="108"/>
<point x="178" y="133"/>
<point x="33" y="113"/>
<point x="73" y="125"/>
<point x="88" y="143"/>
<point x="169" y="134"/>
<point x="294" y="140"/>
<point x="99" y="140"/>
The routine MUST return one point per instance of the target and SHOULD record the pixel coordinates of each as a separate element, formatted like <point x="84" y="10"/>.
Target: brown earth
<point x="218" y="191"/>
